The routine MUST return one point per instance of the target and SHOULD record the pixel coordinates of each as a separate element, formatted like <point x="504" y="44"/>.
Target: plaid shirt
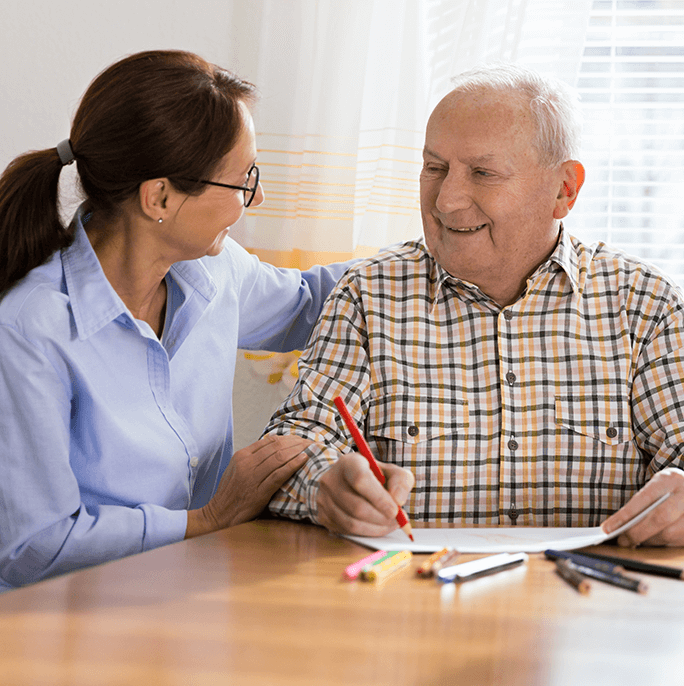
<point x="552" y="411"/>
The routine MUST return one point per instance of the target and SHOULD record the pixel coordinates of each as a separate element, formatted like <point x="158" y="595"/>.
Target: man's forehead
<point x="483" y="106"/>
<point x="488" y="119"/>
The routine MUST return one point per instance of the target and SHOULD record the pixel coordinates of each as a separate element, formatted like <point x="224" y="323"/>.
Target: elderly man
<point x="520" y="376"/>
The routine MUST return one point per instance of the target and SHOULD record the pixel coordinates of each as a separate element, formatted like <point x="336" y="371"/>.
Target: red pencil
<point x="364" y="449"/>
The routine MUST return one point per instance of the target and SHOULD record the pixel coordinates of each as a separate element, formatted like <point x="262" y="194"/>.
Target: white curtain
<point x="346" y="89"/>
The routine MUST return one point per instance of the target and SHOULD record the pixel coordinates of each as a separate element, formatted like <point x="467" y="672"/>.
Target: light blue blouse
<point x="107" y="434"/>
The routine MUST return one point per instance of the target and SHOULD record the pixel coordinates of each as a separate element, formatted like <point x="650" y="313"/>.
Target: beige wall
<point x="51" y="49"/>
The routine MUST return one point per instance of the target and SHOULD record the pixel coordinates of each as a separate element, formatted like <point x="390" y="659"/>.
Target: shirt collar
<point x="565" y="255"/>
<point x="195" y="274"/>
<point x="94" y="303"/>
<point x="93" y="300"/>
<point x="568" y="258"/>
<point x="439" y="277"/>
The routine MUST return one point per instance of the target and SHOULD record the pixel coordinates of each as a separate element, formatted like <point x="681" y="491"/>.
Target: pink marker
<point x="353" y="570"/>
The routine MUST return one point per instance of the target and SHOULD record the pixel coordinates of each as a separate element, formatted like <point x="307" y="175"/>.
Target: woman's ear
<point x="153" y="195"/>
<point x="572" y="173"/>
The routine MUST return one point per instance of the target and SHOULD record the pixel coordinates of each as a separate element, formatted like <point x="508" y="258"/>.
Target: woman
<point x="118" y="334"/>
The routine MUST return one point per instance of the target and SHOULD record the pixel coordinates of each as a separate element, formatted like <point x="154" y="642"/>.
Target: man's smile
<point x="465" y="229"/>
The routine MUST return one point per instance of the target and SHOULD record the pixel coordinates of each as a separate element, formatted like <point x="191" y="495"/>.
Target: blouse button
<point x="513" y="514"/>
<point x="413" y="431"/>
<point x="513" y="444"/>
<point x="194" y="461"/>
<point x="508" y="315"/>
<point x="511" y="377"/>
<point x="611" y="432"/>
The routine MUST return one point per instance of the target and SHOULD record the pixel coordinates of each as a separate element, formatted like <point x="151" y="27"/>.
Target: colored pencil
<point x="581" y="559"/>
<point x="638" y="566"/>
<point x="573" y="577"/>
<point x="447" y="560"/>
<point x="426" y="569"/>
<point x="614" y="579"/>
<point x="365" y="450"/>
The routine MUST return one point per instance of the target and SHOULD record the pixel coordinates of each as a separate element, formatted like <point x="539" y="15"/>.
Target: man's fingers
<point x="360" y="479"/>
<point x="663" y="523"/>
<point x="671" y="535"/>
<point x="347" y="512"/>
<point x="351" y="499"/>
<point x="659" y="524"/>
<point x="666" y="481"/>
<point x="343" y="523"/>
<point x="638" y="503"/>
<point x="399" y="483"/>
<point x="350" y="505"/>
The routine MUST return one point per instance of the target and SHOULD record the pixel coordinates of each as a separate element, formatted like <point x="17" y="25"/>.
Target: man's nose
<point x="454" y="193"/>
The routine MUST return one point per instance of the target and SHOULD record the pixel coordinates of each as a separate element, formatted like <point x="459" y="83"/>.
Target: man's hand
<point x="665" y="524"/>
<point x="351" y="500"/>
<point x="253" y="475"/>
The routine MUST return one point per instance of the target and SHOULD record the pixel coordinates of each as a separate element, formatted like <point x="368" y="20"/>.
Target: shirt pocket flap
<point x="412" y="419"/>
<point x="604" y="418"/>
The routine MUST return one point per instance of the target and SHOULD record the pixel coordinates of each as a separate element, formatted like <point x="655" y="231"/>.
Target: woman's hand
<point x="351" y="500"/>
<point x="253" y="475"/>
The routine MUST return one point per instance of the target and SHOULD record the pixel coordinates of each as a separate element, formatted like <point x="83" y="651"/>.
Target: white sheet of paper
<point x="512" y="539"/>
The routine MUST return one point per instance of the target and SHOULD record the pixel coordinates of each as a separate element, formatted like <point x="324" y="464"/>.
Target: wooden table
<point x="265" y="604"/>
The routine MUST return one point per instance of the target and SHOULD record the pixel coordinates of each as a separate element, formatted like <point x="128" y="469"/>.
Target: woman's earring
<point x="160" y="220"/>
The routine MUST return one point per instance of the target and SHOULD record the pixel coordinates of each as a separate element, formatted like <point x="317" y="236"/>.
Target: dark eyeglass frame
<point x="245" y="189"/>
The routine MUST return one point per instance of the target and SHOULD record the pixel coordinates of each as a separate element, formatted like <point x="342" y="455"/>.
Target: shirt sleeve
<point x="45" y="529"/>
<point x="335" y="363"/>
<point x="658" y="394"/>
<point x="279" y="307"/>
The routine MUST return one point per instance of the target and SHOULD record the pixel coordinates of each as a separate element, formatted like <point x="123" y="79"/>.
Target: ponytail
<point x="30" y="226"/>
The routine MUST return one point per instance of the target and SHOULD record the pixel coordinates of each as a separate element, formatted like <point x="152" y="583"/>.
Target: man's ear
<point x="153" y="195"/>
<point x="572" y="173"/>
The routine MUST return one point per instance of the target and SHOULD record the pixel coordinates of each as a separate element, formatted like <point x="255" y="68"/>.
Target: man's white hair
<point x="553" y="104"/>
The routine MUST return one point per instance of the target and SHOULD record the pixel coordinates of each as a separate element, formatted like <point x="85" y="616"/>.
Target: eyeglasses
<point x="249" y="190"/>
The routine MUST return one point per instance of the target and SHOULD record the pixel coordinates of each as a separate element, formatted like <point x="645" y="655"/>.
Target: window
<point x="632" y="88"/>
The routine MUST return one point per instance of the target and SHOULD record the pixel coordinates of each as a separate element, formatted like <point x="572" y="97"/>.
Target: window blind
<point x="632" y="88"/>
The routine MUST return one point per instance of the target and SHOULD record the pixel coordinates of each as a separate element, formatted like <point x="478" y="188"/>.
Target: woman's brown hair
<point x="155" y="114"/>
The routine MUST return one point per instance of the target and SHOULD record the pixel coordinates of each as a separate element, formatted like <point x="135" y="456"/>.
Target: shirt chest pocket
<point x="600" y="417"/>
<point x="415" y="419"/>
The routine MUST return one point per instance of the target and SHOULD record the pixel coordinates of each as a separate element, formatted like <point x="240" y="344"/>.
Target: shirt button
<point x="413" y="431"/>
<point x="194" y="461"/>
<point x="513" y="444"/>
<point x="508" y="315"/>
<point x="511" y="377"/>
<point x="513" y="514"/>
<point x="611" y="432"/>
